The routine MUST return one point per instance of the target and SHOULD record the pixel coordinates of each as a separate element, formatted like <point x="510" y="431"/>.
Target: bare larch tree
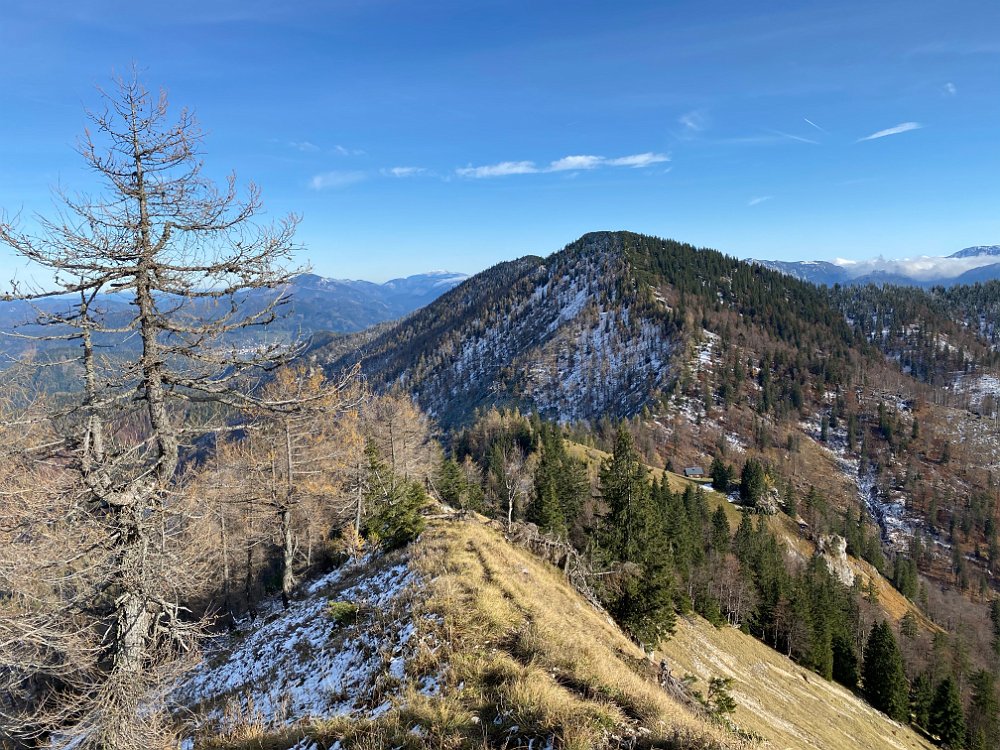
<point x="187" y="256"/>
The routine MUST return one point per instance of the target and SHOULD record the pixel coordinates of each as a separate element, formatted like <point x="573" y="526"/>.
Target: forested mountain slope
<point x="934" y="334"/>
<point x="590" y="331"/>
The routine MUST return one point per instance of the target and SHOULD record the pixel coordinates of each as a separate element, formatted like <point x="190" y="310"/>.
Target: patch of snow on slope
<point x="887" y="509"/>
<point x="301" y="663"/>
<point x="979" y="388"/>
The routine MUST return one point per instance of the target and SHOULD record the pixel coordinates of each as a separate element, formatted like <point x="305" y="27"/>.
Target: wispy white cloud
<point x="403" y="171"/>
<point x="758" y="200"/>
<point x="950" y="89"/>
<point x="799" y="138"/>
<point x="822" y="130"/>
<point x="306" y="146"/>
<point x="344" y="151"/>
<point x="903" y="127"/>
<point x="502" y="169"/>
<point x="922" y="268"/>
<point x="639" y="160"/>
<point x="694" y="121"/>
<point x="573" y="163"/>
<point x="336" y="179"/>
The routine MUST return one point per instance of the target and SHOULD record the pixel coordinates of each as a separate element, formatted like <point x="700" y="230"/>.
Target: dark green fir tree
<point x="633" y="535"/>
<point x="947" y="722"/>
<point x="885" y="684"/>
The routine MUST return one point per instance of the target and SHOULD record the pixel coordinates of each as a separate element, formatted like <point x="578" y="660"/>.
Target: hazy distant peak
<point x="971" y="264"/>
<point x="420" y="279"/>
<point x="977" y="251"/>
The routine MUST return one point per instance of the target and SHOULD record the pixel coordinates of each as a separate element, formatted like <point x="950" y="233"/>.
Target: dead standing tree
<point x="186" y="256"/>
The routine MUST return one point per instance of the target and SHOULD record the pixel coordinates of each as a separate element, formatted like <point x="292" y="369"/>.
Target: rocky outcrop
<point x="833" y="549"/>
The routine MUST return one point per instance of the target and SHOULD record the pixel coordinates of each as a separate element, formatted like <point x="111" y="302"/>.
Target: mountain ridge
<point x="587" y="332"/>
<point x="314" y="305"/>
<point x="969" y="265"/>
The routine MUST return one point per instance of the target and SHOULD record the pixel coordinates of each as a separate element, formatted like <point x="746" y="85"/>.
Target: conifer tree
<point x="995" y="621"/>
<point x="449" y="482"/>
<point x="984" y="710"/>
<point x="722" y="475"/>
<point x="393" y="503"/>
<point x="544" y="510"/>
<point x="885" y="684"/>
<point x="947" y="722"/>
<point x="559" y="486"/>
<point x="791" y="503"/>
<point x="743" y="539"/>
<point x="625" y="488"/>
<point x="752" y="483"/>
<point x="633" y="534"/>
<point x="921" y="698"/>
<point x="721" y="533"/>
<point x="678" y="531"/>
<point x="908" y="626"/>
<point x="845" y="661"/>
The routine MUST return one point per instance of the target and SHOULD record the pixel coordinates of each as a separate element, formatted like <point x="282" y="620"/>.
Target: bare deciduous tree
<point x="403" y="435"/>
<point x="187" y="257"/>
<point x="308" y="455"/>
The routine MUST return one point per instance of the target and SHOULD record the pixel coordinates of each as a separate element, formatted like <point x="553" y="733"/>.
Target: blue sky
<point x="425" y="135"/>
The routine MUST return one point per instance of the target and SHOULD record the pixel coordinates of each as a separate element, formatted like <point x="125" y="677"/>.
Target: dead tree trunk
<point x="185" y="254"/>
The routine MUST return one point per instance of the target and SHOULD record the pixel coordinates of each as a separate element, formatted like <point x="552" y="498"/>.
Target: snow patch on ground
<point x="301" y="663"/>
<point x="887" y="509"/>
<point x="979" y="388"/>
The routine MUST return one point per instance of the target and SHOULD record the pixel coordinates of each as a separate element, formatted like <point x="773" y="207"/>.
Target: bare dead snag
<point x="186" y="255"/>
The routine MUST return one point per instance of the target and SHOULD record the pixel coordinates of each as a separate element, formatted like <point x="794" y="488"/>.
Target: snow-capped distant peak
<point x="977" y="251"/>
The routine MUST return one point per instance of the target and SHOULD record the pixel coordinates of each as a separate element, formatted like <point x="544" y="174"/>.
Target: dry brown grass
<point x="789" y="706"/>
<point x="528" y="652"/>
<point x="520" y="659"/>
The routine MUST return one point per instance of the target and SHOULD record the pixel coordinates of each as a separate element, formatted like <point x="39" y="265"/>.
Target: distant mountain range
<point x="315" y="305"/>
<point x="968" y="266"/>
<point x="344" y="306"/>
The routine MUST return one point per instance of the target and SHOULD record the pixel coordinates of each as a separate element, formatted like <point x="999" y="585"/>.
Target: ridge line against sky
<point x="443" y="135"/>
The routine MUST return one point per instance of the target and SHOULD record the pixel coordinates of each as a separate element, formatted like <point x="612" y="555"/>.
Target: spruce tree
<point x="908" y="626"/>
<point x="721" y="533"/>
<point x="947" y="722"/>
<point x="743" y="540"/>
<point x="393" y="504"/>
<point x="544" y="510"/>
<point x="791" y="503"/>
<point x="984" y="710"/>
<point x="625" y="488"/>
<point x="634" y="534"/>
<point x="845" y="661"/>
<point x="885" y="684"/>
<point x="450" y="484"/>
<point x="752" y="483"/>
<point x="560" y="483"/>
<point x="722" y="475"/>
<point x="685" y="530"/>
<point x="995" y="621"/>
<point x="921" y="698"/>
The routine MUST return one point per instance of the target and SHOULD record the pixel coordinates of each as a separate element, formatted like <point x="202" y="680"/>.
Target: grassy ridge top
<point x="520" y="659"/>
